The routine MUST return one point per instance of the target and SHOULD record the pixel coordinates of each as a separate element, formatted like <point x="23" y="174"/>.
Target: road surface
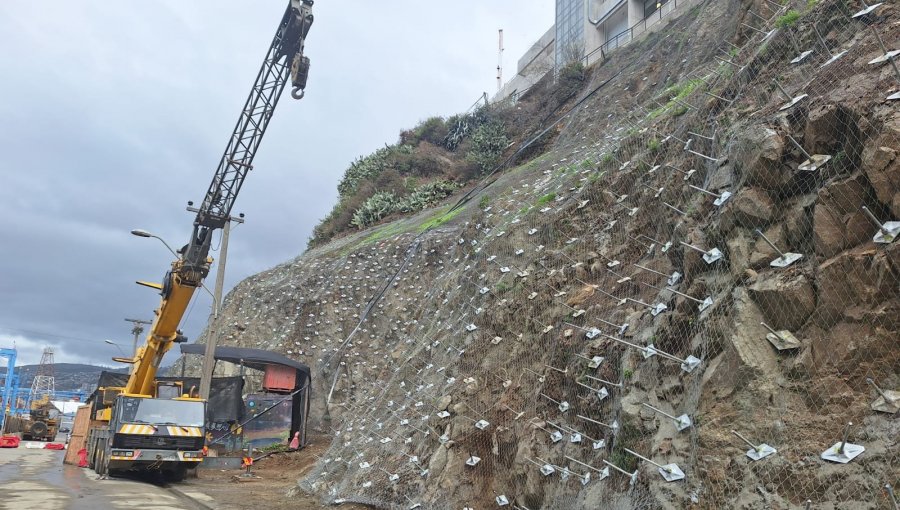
<point x="36" y="479"/>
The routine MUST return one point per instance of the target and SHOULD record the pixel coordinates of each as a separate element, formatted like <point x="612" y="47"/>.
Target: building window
<point x="616" y="27"/>
<point x="569" y="31"/>
<point x="651" y="6"/>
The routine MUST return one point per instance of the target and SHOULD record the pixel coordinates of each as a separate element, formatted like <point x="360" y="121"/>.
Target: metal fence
<point x="635" y="31"/>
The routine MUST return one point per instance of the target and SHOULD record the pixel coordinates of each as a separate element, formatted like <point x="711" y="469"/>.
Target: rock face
<point x="752" y="207"/>
<point x="760" y="153"/>
<point x="786" y="300"/>
<point x="881" y="164"/>
<point x="500" y="351"/>
<point x="838" y="219"/>
<point x="855" y="280"/>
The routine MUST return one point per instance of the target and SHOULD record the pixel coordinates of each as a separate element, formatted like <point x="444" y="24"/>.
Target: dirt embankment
<point x="502" y="350"/>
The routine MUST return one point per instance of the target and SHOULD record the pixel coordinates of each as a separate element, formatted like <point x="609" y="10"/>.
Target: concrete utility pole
<point x="212" y="329"/>
<point x="136" y="330"/>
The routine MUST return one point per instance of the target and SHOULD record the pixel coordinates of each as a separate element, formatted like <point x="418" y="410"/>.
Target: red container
<point x="280" y="378"/>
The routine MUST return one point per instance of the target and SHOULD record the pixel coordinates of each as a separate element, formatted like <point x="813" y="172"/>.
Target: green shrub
<point x="573" y="71"/>
<point x="425" y="195"/>
<point x="488" y="143"/>
<point x="369" y="167"/>
<point x="459" y="127"/>
<point x="483" y="203"/>
<point x="375" y="208"/>
<point x="432" y="130"/>
<point x="385" y="203"/>
<point x="789" y="19"/>
<point x="546" y="199"/>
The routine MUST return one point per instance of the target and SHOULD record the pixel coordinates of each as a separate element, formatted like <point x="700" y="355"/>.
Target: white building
<point x="588" y="30"/>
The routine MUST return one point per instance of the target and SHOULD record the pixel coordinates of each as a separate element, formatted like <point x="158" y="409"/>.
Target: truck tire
<point x="175" y="474"/>
<point x="38" y="429"/>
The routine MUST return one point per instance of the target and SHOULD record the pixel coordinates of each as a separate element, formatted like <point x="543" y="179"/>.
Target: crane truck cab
<point x="140" y="433"/>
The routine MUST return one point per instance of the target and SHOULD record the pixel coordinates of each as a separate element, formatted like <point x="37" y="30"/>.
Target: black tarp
<point x="224" y="405"/>
<point x="256" y="359"/>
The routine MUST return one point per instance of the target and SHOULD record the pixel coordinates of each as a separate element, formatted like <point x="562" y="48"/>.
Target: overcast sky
<point x="115" y="114"/>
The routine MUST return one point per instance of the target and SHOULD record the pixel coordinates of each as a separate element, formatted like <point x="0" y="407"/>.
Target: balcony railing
<point x="626" y="36"/>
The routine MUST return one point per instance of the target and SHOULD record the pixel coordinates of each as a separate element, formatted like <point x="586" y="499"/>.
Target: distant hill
<point x="67" y="376"/>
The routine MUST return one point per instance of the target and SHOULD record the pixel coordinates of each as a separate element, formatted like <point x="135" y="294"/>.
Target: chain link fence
<point x="686" y="303"/>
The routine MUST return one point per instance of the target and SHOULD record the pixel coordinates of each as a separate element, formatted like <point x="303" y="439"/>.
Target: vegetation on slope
<point x="437" y="157"/>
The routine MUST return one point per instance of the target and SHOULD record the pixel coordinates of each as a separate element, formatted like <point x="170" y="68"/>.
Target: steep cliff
<point x="509" y="346"/>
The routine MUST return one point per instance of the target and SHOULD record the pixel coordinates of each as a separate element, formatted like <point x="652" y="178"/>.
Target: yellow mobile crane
<point x="150" y="425"/>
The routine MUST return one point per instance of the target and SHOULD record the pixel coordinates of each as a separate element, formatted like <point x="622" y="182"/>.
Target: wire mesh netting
<point x="691" y="300"/>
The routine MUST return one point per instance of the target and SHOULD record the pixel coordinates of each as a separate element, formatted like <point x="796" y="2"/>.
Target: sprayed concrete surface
<point x="37" y="479"/>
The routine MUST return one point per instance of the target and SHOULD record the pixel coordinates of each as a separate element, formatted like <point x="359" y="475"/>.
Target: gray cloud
<point x="115" y="115"/>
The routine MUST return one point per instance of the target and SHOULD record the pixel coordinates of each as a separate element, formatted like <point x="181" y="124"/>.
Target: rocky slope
<point x="457" y="352"/>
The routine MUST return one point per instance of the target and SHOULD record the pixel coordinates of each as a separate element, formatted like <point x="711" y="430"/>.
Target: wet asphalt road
<point x="36" y="479"/>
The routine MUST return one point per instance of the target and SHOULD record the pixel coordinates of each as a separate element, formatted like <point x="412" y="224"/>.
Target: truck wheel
<point x="39" y="429"/>
<point x="176" y="474"/>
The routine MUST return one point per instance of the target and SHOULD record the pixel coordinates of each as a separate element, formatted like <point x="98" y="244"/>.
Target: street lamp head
<point x="143" y="233"/>
<point x="110" y="342"/>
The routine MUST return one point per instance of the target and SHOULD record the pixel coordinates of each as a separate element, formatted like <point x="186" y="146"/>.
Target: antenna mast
<point x="500" y="62"/>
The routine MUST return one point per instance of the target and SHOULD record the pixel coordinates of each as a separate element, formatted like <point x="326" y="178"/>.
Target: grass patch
<point x="385" y="231"/>
<point x="546" y="199"/>
<point x="788" y="20"/>
<point x="628" y="437"/>
<point x="595" y="177"/>
<point x="483" y="203"/>
<point x="439" y="219"/>
<point x="675" y="93"/>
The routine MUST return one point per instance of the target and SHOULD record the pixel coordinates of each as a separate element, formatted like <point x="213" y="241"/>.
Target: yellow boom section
<point x="163" y="333"/>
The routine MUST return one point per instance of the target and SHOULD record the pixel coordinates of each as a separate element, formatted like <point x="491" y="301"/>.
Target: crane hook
<point x="295" y="95"/>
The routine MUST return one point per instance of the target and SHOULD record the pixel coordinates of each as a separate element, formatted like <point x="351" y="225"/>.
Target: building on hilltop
<point x="587" y="30"/>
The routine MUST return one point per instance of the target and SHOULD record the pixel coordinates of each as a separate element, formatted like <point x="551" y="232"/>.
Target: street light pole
<point x="114" y="344"/>
<point x="212" y="329"/>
